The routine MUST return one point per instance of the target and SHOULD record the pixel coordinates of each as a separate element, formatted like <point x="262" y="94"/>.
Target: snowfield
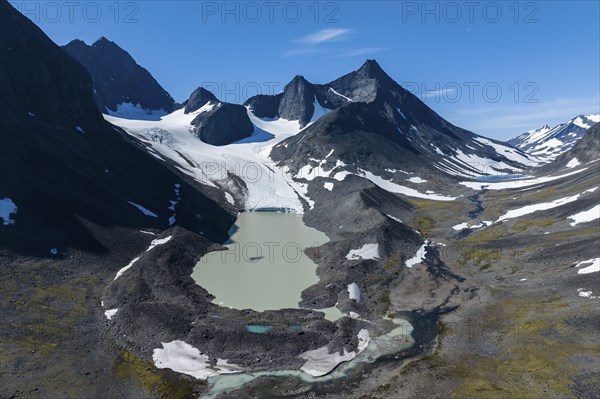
<point x="184" y="358"/>
<point x="511" y="153"/>
<point x="124" y="269"/>
<point x="520" y="182"/>
<point x="135" y="111"/>
<point x="320" y="362"/>
<point x="526" y="210"/>
<point x="585" y="294"/>
<point x="269" y="186"/>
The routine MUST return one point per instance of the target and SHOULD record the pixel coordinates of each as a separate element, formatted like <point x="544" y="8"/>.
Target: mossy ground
<point x="163" y="383"/>
<point x="535" y="351"/>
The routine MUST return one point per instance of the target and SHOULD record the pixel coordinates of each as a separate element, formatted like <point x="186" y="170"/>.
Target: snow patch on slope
<point x="419" y="256"/>
<point x="526" y="210"/>
<point x="320" y="362"/>
<point x="573" y="163"/>
<point x="354" y="292"/>
<point x="392" y="187"/>
<point x="585" y="216"/>
<point x="519" y="182"/>
<point x="367" y="251"/>
<point x="467" y="225"/>
<point x="7" y="208"/>
<point x="128" y="110"/>
<point x="341" y="95"/>
<point x="154" y="243"/>
<point x="110" y="313"/>
<point x="145" y="211"/>
<point x="591" y="266"/>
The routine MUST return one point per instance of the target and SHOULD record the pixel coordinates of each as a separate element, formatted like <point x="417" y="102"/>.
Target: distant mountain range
<point x="548" y="143"/>
<point x="584" y="151"/>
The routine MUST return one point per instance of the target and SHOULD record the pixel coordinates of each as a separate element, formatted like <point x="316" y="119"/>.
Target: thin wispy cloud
<point x="359" y="52"/>
<point x="325" y="35"/>
<point x="322" y="40"/>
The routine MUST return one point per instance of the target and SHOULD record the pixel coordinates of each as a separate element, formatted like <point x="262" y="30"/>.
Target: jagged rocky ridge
<point x="68" y="169"/>
<point x="219" y="123"/>
<point x="548" y="143"/>
<point x="118" y="80"/>
<point x="375" y="123"/>
<point x="586" y="150"/>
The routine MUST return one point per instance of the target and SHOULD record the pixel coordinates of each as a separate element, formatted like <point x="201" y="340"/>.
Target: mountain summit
<point x="372" y="120"/>
<point x="305" y="102"/>
<point x="120" y="84"/>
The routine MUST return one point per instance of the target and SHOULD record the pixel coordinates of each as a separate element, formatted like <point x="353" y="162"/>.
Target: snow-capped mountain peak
<point x="548" y="143"/>
<point x="540" y="130"/>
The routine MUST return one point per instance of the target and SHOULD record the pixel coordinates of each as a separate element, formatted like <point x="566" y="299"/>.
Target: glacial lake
<point x="499" y="178"/>
<point x="264" y="267"/>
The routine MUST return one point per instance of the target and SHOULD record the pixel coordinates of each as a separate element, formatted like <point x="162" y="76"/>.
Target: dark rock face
<point x="198" y="99"/>
<point x="362" y="85"/>
<point x="67" y="168"/>
<point x="264" y="106"/>
<point x="118" y="78"/>
<point x="368" y="101"/>
<point x="378" y="125"/>
<point x="297" y="101"/>
<point x="224" y="124"/>
<point x="588" y="149"/>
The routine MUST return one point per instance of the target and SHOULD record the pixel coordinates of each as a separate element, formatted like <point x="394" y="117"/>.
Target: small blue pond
<point x="497" y="178"/>
<point x="259" y="329"/>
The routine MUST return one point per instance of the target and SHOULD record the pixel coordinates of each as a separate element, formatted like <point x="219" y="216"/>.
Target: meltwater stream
<point x="265" y="268"/>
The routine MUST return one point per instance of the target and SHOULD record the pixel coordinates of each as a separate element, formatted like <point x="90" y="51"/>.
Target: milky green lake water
<point x="265" y="267"/>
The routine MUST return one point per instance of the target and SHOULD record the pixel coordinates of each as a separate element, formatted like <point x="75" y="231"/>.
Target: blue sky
<point x="496" y="68"/>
